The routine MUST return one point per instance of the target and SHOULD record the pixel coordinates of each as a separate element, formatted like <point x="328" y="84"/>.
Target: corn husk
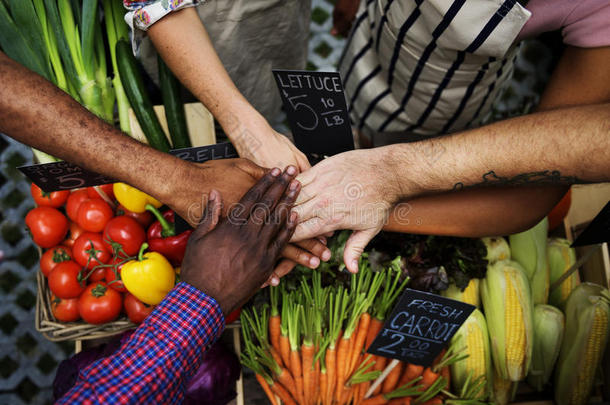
<point x="586" y="336"/>
<point x="508" y="309"/>
<point x="503" y="390"/>
<point x="561" y="258"/>
<point x="529" y="250"/>
<point x="549" y="325"/>
<point x="470" y="295"/>
<point x="473" y="339"/>
<point x="497" y="249"/>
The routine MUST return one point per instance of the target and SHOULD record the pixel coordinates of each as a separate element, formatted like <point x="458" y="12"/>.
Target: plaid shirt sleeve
<point x="155" y="364"/>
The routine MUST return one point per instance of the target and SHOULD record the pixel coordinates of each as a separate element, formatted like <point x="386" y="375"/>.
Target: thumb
<point x="211" y="215"/>
<point x="355" y="246"/>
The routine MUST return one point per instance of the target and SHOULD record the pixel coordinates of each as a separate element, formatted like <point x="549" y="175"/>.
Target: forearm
<point x="199" y="68"/>
<point x="560" y="147"/>
<point x="475" y="212"/>
<point x="35" y="112"/>
<point x="155" y="364"/>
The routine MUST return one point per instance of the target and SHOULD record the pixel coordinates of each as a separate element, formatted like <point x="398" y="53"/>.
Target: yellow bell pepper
<point x="149" y="277"/>
<point x="132" y="198"/>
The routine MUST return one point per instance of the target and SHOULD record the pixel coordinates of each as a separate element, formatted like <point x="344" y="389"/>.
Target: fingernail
<point x="293" y="216"/>
<point x="326" y="255"/>
<point x="314" y="262"/>
<point x="293" y="185"/>
<point x="212" y="195"/>
<point x="355" y="265"/>
<point x="275" y="172"/>
<point x="275" y="281"/>
<point x="291" y="170"/>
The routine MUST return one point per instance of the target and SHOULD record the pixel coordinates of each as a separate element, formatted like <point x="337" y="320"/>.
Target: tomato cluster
<point x="87" y="238"/>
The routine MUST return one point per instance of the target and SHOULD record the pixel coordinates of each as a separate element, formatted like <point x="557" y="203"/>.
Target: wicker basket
<point x="57" y="331"/>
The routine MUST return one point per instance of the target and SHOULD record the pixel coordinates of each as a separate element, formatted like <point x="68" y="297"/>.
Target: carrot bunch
<point x="307" y="344"/>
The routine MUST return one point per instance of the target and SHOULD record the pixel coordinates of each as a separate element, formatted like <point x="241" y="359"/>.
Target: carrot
<point x="284" y="395"/>
<point x="284" y="378"/>
<point x="316" y="380"/>
<point x="331" y="369"/>
<point x="285" y="350"/>
<point x="412" y="371"/>
<point x="266" y="388"/>
<point x="297" y="374"/>
<point x="392" y="379"/>
<point x="323" y="386"/>
<point x="274" y="332"/>
<point x="307" y="353"/>
<point x="376" y="400"/>
<point x="363" y="327"/>
<point x="342" y="354"/>
<point x="428" y="378"/>
<point x="380" y="364"/>
<point x="375" y="326"/>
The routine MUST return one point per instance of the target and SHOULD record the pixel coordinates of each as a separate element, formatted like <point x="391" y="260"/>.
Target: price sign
<point x="58" y="176"/>
<point x="200" y="154"/>
<point x="598" y="231"/>
<point x="419" y="327"/>
<point x="316" y="109"/>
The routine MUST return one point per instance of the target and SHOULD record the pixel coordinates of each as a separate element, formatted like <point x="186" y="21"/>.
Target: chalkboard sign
<point x="598" y="231"/>
<point x="316" y="109"/>
<point x="419" y="327"/>
<point x="67" y="176"/>
<point x="200" y="154"/>
<point x="62" y="176"/>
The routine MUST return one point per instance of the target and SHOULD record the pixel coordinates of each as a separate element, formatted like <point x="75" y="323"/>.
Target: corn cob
<point x="548" y="332"/>
<point x="508" y="309"/>
<point x="497" y="249"/>
<point x="472" y="339"/>
<point x="470" y="295"/>
<point x="529" y="250"/>
<point x="561" y="258"/>
<point x="587" y="330"/>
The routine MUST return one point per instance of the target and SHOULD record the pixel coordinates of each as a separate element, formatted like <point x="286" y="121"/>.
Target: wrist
<point x="405" y="172"/>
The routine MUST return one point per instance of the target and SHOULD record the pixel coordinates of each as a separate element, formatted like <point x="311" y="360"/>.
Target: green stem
<point x="168" y="228"/>
<point x="141" y="252"/>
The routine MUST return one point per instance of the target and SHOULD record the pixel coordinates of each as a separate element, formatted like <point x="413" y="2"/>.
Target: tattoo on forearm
<point x="543" y="177"/>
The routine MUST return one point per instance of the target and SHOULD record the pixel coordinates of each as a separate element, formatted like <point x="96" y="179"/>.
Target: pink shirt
<point x="583" y="23"/>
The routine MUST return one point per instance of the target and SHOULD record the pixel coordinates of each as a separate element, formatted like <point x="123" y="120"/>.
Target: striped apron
<point x="421" y="68"/>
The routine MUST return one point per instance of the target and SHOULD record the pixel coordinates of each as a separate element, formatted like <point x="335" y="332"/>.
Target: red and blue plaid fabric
<point x="155" y="364"/>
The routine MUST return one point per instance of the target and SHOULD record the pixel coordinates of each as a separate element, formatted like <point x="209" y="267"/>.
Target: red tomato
<point x="65" y="310"/>
<point x="89" y="250"/>
<point x="144" y="218"/>
<point x="64" y="280"/>
<point x="47" y="225"/>
<point x="53" y="257"/>
<point x="135" y="309"/>
<point x="233" y="316"/>
<point x="125" y="232"/>
<point x="73" y="233"/>
<point x="75" y="199"/>
<point x="112" y="272"/>
<point x="99" y="304"/>
<point x="54" y="199"/>
<point x="93" y="215"/>
<point x="106" y="188"/>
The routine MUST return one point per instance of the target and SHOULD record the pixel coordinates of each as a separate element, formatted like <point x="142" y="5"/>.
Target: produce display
<point x="306" y="339"/>
<point x="102" y="259"/>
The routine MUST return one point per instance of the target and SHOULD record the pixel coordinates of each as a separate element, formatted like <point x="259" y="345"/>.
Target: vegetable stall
<point x="536" y="333"/>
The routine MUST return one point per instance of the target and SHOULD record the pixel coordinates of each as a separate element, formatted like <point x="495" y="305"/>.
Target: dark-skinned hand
<point x="229" y="259"/>
<point x="344" y="14"/>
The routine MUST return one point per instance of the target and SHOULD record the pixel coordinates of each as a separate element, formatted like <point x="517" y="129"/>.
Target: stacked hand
<point x="230" y="258"/>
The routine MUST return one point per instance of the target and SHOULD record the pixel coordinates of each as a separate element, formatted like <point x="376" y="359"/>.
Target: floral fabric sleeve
<point x="143" y="14"/>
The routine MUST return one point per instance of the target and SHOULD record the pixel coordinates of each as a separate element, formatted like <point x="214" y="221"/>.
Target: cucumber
<point x="174" y="109"/>
<point x="138" y="97"/>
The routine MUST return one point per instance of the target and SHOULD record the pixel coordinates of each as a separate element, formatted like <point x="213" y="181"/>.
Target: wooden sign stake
<point x="382" y="377"/>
